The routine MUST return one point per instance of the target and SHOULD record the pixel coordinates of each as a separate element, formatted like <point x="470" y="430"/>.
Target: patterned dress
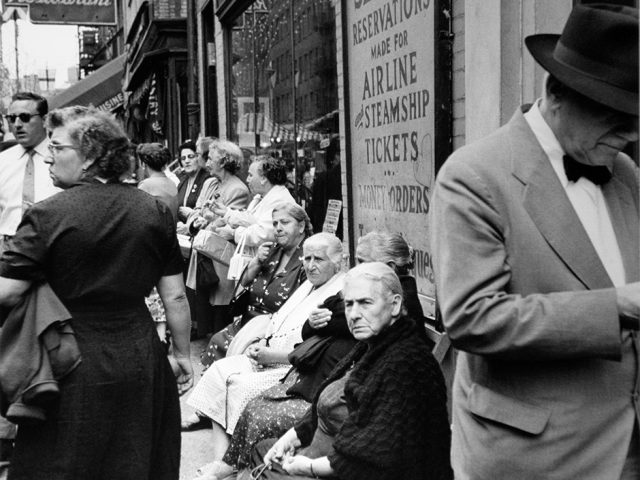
<point x="230" y="383"/>
<point x="268" y="291"/>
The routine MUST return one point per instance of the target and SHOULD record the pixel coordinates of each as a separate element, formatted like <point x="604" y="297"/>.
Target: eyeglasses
<point x="24" y="117"/>
<point x="56" y="148"/>
<point x="190" y="156"/>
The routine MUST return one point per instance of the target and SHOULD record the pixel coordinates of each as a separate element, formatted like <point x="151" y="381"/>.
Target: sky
<point x="40" y="47"/>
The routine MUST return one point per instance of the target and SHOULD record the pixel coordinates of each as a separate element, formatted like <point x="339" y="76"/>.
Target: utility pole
<point x="193" y="108"/>
<point x="15" y="46"/>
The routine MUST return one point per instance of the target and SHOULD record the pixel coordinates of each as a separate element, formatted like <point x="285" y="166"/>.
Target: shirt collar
<point x="40" y="149"/>
<point x="548" y="141"/>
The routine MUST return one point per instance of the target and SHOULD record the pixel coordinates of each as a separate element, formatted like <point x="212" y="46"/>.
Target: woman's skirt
<point x="228" y="385"/>
<point x="269" y="415"/>
<point x="118" y="416"/>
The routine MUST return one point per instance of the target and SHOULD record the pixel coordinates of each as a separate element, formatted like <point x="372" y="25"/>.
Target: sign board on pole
<point x="69" y="12"/>
<point x="332" y="217"/>
<point x="391" y="82"/>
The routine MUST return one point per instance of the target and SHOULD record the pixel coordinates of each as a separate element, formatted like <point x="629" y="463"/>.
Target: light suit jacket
<point x="544" y="381"/>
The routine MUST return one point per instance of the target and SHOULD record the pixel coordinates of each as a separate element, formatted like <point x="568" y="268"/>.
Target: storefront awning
<point x="102" y="88"/>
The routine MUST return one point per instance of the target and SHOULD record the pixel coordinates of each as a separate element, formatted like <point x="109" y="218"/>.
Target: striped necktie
<point x="28" y="184"/>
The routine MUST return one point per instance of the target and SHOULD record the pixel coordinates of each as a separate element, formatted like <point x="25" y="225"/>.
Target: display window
<point x="283" y="94"/>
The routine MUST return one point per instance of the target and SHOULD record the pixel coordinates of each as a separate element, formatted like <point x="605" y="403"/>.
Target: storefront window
<point x="283" y="93"/>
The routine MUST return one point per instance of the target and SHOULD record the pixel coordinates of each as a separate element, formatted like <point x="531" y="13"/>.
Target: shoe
<point x="195" y="422"/>
<point x="215" y="470"/>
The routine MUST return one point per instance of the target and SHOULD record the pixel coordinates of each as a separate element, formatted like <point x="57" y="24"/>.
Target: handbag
<point x="212" y="245"/>
<point x="306" y="355"/>
<point x="239" y="261"/>
<point x="253" y="331"/>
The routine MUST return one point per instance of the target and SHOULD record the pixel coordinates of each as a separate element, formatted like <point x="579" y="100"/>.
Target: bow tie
<point x="575" y="170"/>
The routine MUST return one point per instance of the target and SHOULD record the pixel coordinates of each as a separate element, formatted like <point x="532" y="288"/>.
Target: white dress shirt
<point x="585" y="196"/>
<point x="13" y="162"/>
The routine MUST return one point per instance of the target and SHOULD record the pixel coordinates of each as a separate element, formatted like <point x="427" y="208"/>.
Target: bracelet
<point x="313" y="474"/>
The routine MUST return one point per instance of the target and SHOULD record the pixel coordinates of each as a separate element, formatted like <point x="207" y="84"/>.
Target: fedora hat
<point x="596" y="55"/>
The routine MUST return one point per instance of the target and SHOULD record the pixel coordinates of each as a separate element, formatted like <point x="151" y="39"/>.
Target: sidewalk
<point x="196" y="446"/>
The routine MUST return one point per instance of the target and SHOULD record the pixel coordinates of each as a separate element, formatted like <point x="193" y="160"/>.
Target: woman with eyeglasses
<point x="192" y="179"/>
<point x="102" y="245"/>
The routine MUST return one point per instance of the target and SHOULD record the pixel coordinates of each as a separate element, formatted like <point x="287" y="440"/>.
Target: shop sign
<point x="390" y="51"/>
<point x="71" y="12"/>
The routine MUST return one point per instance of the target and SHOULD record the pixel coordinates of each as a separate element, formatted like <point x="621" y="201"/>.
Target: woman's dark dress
<point x="102" y="247"/>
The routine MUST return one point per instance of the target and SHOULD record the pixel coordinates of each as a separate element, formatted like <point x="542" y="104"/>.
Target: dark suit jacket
<point x="544" y="380"/>
<point x="193" y="194"/>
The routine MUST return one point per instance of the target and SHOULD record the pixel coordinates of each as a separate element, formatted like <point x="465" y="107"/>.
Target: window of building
<point x="283" y="93"/>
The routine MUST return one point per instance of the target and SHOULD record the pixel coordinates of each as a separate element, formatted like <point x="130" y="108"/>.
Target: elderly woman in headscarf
<point x="382" y="412"/>
<point x="230" y="383"/>
<point x="102" y="246"/>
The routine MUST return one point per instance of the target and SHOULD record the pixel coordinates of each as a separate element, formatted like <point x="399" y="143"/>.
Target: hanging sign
<point x="68" y="12"/>
<point x="391" y="83"/>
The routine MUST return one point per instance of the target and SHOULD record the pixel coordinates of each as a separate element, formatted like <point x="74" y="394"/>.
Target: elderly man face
<point x="590" y="132"/>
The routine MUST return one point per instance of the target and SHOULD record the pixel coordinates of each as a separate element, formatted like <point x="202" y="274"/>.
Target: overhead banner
<point x="67" y="12"/>
<point x="390" y="51"/>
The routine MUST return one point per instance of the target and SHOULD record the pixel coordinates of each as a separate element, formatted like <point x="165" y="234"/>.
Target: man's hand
<point x="629" y="300"/>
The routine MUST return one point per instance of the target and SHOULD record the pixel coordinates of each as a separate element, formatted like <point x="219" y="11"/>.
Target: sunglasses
<point x="24" y="117"/>
<point x="190" y="156"/>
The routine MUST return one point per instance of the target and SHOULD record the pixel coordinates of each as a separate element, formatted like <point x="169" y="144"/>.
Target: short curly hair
<point x="187" y="145"/>
<point x="155" y="155"/>
<point x="272" y="169"/>
<point x="98" y="137"/>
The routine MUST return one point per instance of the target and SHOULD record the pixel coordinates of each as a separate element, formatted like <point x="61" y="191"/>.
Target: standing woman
<point x="102" y="245"/>
<point x="191" y="180"/>
<point x="224" y="159"/>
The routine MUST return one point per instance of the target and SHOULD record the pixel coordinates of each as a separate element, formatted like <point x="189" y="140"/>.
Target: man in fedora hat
<point x="536" y="258"/>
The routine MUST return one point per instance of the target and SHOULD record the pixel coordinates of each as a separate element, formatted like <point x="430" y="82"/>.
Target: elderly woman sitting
<point x="230" y="383"/>
<point x="382" y="412"/>
<point x="280" y="407"/>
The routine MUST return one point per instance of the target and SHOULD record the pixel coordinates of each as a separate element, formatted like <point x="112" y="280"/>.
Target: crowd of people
<point x="312" y="369"/>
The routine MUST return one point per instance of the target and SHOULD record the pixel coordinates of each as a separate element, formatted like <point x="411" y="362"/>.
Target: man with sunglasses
<point x="24" y="179"/>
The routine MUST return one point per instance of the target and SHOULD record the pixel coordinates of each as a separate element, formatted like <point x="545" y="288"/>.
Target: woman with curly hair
<point x="102" y="245"/>
<point x="266" y="179"/>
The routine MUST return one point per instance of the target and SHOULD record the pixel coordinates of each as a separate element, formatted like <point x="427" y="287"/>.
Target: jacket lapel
<point x="550" y="209"/>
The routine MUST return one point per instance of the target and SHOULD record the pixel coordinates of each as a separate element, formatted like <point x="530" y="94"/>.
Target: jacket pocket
<point x="494" y="406"/>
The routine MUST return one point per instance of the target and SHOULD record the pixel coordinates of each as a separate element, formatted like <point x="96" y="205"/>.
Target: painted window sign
<point x="391" y="83"/>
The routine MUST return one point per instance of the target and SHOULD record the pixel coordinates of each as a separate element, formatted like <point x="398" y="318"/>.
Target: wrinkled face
<point x="213" y="161"/>
<point x="593" y="133"/>
<point x="317" y="265"/>
<point x="369" y="307"/>
<point x="287" y="229"/>
<point x="31" y="133"/>
<point x="64" y="159"/>
<point x="189" y="160"/>
<point x="255" y="180"/>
